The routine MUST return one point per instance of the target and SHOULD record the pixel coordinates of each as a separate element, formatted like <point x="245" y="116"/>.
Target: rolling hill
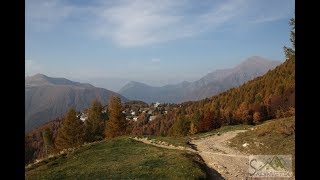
<point x="120" y="158"/>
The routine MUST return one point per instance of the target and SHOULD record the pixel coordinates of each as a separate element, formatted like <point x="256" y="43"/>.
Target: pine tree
<point x="195" y="119"/>
<point x="117" y="124"/>
<point x="244" y="113"/>
<point x="94" y="125"/>
<point x="290" y="52"/>
<point x="181" y="126"/>
<point x="71" y="132"/>
<point x="47" y="140"/>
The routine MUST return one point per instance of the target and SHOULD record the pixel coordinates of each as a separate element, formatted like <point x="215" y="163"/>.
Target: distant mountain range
<point x="209" y="85"/>
<point x="47" y="98"/>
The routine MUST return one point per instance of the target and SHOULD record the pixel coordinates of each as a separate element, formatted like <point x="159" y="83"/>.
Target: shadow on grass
<point x="210" y="173"/>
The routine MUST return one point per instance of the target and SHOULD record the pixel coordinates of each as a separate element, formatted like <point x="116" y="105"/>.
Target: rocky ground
<point x="230" y="163"/>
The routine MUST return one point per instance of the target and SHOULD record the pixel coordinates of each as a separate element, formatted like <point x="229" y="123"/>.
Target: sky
<point x="152" y="41"/>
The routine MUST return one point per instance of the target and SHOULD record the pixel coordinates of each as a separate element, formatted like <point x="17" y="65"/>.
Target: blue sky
<point x="156" y="42"/>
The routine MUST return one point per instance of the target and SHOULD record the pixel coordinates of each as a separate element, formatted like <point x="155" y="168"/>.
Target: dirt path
<point x="230" y="163"/>
<point x="219" y="157"/>
<point x="163" y="144"/>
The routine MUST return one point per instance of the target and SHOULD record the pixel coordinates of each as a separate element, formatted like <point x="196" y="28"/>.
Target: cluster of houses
<point x="153" y="110"/>
<point x="133" y="111"/>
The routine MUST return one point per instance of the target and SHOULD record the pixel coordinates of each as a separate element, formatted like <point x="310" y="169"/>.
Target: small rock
<point x="245" y="144"/>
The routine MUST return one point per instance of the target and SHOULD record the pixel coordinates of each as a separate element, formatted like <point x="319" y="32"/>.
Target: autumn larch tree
<point x="143" y="119"/>
<point x="47" y="140"/>
<point x="244" y="113"/>
<point x="257" y="117"/>
<point x="71" y="132"/>
<point x="117" y="123"/>
<point x="94" y="125"/>
<point x="194" y="122"/>
<point x="206" y="124"/>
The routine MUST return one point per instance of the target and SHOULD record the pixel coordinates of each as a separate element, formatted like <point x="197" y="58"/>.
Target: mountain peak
<point x="257" y="59"/>
<point x="132" y="84"/>
<point x="256" y="62"/>
<point x="41" y="79"/>
<point x="39" y="75"/>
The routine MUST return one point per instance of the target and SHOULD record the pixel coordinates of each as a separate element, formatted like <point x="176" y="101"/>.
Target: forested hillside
<point x="266" y="97"/>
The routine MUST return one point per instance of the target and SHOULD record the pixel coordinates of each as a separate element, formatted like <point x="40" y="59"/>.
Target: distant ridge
<point x="209" y="85"/>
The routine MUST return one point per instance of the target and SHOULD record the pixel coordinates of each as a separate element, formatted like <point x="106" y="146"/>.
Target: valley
<point x="221" y="126"/>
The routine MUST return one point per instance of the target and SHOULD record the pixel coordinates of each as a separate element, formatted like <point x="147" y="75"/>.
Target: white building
<point x="150" y="112"/>
<point x="83" y="117"/>
<point x="152" y="118"/>
<point x="156" y="104"/>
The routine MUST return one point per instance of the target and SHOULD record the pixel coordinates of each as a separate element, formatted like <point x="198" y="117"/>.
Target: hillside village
<point x="134" y="109"/>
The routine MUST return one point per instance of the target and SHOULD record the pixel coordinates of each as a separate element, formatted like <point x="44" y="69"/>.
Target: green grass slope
<point x="273" y="137"/>
<point x="120" y="158"/>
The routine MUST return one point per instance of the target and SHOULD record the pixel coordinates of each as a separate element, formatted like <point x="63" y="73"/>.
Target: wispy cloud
<point x="42" y="15"/>
<point x="132" y="23"/>
<point x="155" y="60"/>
